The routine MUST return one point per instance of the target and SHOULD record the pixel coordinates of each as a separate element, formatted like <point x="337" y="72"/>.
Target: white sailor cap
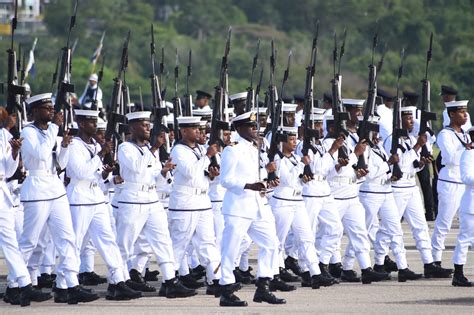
<point x="238" y="96"/>
<point x="138" y="116"/>
<point x="74" y="125"/>
<point x="204" y="113"/>
<point x="39" y="100"/>
<point x="188" y="121"/>
<point x="86" y="114"/>
<point x="229" y="111"/>
<point x="101" y="125"/>
<point x="289" y="108"/>
<point x="248" y="118"/>
<point x="262" y="111"/>
<point x="93" y="77"/>
<point x="318" y="111"/>
<point x="329" y="117"/>
<point x="291" y="131"/>
<point x="202" y="124"/>
<point x="408" y="110"/>
<point x="455" y="105"/>
<point x="351" y="102"/>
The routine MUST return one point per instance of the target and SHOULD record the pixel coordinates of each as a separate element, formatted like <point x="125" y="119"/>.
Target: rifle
<point x="221" y="99"/>
<point x="397" y="132"/>
<point x="14" y="90"/>
<point x="159" y="111"/>
<point x="309" y="132"/>
<point x="100" y="75"/>
<point x="62" y="101"/>
<point x="277" y="136"/>
<point x="188" y="102"/>
<point x="115" y="114"/>
<point x="366" y="126"/>
<point x="250" y="101"/>
<point x="177" y="109"/>
<point x="271" y="92"/>
<point x="340" y="116"/>
<point x="425" y="114"/>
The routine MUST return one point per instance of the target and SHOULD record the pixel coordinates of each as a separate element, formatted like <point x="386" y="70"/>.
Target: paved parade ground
<point x="425" y="296"/>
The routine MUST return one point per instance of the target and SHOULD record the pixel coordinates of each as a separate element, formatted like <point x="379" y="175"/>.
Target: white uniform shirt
<point x="290" y="188"/>
<point x="37" y="155"/>
<point x="8" y="167"/>
<point x="408" y="156"/>
<point x="240" y="166"/>
<point x="191" y="185"/>
<point x="85" y="170"/>
<point x="140" y="169"/>
<point x="378" y="178"/>
<point x="449" y="142"/>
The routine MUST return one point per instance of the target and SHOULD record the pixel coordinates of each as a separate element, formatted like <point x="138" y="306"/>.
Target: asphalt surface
<point x="427" y="296"/>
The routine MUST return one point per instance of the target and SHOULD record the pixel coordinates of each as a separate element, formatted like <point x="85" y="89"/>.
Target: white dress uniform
<point x="139" y="210"/>
<point x="289" y="211"/>
<point x="17" y="271"/>
<point x="450" y="186"/>
<point x="245" y="212"/>
<point x="216" y="193"/>
<point x="45" y="202"/>
<point x="90" y="214"/>
<point x="320" y="205"/>
<point x="407" y="197"/>
<point x="190" y="210"/>
<point x="345" y="190"/>
<point x="466" y="211"/>
<point x="377" y="198"/>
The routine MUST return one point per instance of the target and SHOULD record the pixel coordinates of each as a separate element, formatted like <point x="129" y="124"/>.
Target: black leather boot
<point x="263" y="294"/>
<point x="176" y="289"/>
<point x="12" y="296"/>
<point x="349" y="276"/>
<point x="321" y="280"/>
<point x="241" y="277"/>
<point x="326" y="274"/>
<point x="407" y="274"/>
<point x="434" y="271"/>
<point x="151" y="275"/>
<point x="198" y="272"/>
<point x="286" y="276"/>
<point x="91" y="278"/>
<point x="276" y="284"/>
<point x="459" y="280"/>
<point x="45" y="281"/>
<point x="369" y="276"/>
<point x="335" y="270"/>
<point x="77" y="294"/>
<point x="189" y="282"/>
<point x="28" y="294"/>
<point x="292" y="264"/>
<point x="140" y="286"/>
<point x="228" y="298"/>
<point x="389" y="265"/>
<point x="306" y="281"/>
<point x="124" y="293"/>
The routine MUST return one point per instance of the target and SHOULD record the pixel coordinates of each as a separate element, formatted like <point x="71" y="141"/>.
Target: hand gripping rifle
<point x="426" y="116"/>
<point x="397" y="131"/>
<point x="62" y="101"/>
<point x="221" y="100"/>
<point x="250" y="101"/>
<point x="309" y="132"/>
<point x="366" y="126"/>
<point x="159" y="111"/>
<point x="14" y="90"/>
<point x="115" y="114"/>
<point x="277" y="136"/>
<point x="340" y="116"/>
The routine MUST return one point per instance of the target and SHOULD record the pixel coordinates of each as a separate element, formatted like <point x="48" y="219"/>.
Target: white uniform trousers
<point x="410" y="207"/>
<point x="465" y="238"/>
<point x="326" y="223"/>
<point x="151" y="220"/>
<point x="87" y="255"/>
<point x="17" y="271"/>
<point x="218" y="222"/>
<point x="449" y="199"/>
<point x="295" y="217"/>
<point x="352" y="216"/>
<point x="196" y="227"/>
<point x="41" y="255"/>
<point x="92" y="222"/>
<point x="382" y="205"/>
<point x="49" y="258"/>
<point x="142" y="254"/>
<point x="243" y="257"/>
<point x="262" y="232"/>
<point x="18" y="220"/>
<point x="55" y="213"/>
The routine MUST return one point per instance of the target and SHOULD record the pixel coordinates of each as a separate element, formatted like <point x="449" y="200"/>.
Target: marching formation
<point x="195" y="186"/>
